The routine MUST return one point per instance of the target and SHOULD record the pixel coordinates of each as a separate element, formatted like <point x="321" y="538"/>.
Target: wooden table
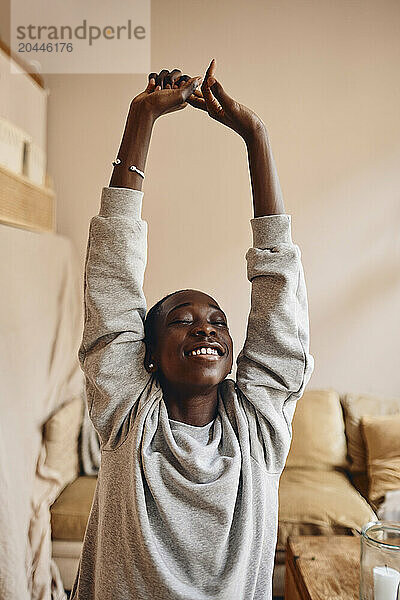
<point x="322" y="568"/>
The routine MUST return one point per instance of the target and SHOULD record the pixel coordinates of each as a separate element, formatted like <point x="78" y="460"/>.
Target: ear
<point x="149" y="362"/>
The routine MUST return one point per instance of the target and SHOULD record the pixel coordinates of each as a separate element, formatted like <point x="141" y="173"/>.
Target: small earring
<point x="151" y="365"/>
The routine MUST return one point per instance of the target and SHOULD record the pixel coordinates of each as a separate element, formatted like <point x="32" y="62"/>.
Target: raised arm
<point x="274" y="365"/>
<point x="267" y="195"/>
<point x="112" y="350"/>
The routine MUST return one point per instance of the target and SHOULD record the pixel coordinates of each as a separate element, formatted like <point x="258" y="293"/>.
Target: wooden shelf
<point x="25" y="204"/>
<point x="35" y="76"/>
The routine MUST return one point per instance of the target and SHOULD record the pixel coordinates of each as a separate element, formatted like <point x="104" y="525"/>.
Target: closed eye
<point x="180" y="321"/>
<point x="190" y="321"/>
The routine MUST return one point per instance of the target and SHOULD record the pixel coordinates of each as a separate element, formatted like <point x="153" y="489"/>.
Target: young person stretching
<point x="186" y="501"/>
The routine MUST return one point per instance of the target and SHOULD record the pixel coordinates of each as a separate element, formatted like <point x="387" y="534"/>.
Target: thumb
<point x="220" y="94"/>
<point x="189" y="87"/>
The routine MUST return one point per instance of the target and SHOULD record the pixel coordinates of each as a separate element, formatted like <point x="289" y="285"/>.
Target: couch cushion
<point x="319" y="503"/>
<point x="356" y="406"/>
<point x="382" y="439"/>
<point x="360" y="482"/>
<point x="318" y="440"/>
<point x="61" y="432"/>
<point x="70" y="512"/>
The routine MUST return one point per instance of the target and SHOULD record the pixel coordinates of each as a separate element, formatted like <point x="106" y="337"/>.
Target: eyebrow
<point x="191" y="304"/>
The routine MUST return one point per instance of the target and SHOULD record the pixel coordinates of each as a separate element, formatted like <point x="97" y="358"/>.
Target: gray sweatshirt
<point x="182" y="512"/>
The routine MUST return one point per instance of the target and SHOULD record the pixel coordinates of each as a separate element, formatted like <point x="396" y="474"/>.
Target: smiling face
<point x="193" y="346"/>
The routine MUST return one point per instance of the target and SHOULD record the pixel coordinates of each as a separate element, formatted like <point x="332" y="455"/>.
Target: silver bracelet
<point x="118" y="161"/>
<point x="133" y="168"/>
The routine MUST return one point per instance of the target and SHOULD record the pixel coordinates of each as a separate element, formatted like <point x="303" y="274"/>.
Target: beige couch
<point x="324" y="486"/>
<point x="323" y="489"/>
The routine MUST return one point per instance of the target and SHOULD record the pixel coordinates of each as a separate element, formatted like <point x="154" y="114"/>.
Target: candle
<point x="386" y="583"/>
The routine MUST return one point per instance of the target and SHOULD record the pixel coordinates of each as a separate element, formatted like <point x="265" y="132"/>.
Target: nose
<point x="205" y="330"/>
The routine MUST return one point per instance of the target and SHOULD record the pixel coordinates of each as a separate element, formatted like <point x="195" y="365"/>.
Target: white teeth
<point x="199" y="351"/>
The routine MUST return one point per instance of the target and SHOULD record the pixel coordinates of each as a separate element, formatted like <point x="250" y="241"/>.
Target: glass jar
<point x="380" y="561"/>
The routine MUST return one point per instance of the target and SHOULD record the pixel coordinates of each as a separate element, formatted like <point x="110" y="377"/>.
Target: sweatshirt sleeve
<point x="112" y="350"/>
<point x="274" y="365"/>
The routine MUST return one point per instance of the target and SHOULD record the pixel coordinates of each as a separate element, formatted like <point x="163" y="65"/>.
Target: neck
<point x="189" y="406"/>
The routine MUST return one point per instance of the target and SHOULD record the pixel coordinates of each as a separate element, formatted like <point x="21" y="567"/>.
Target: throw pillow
<point x="355" y="406"/>
<point x="318" y="440"/>
<point x="382" y="439"/>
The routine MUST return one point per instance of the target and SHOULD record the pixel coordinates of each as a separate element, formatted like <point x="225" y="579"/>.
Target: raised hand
<point x="221" y="107"/>
<point x="166" y="92"/>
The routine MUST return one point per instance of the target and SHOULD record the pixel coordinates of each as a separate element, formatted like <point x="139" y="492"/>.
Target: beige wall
<point x="324" y="77"/>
